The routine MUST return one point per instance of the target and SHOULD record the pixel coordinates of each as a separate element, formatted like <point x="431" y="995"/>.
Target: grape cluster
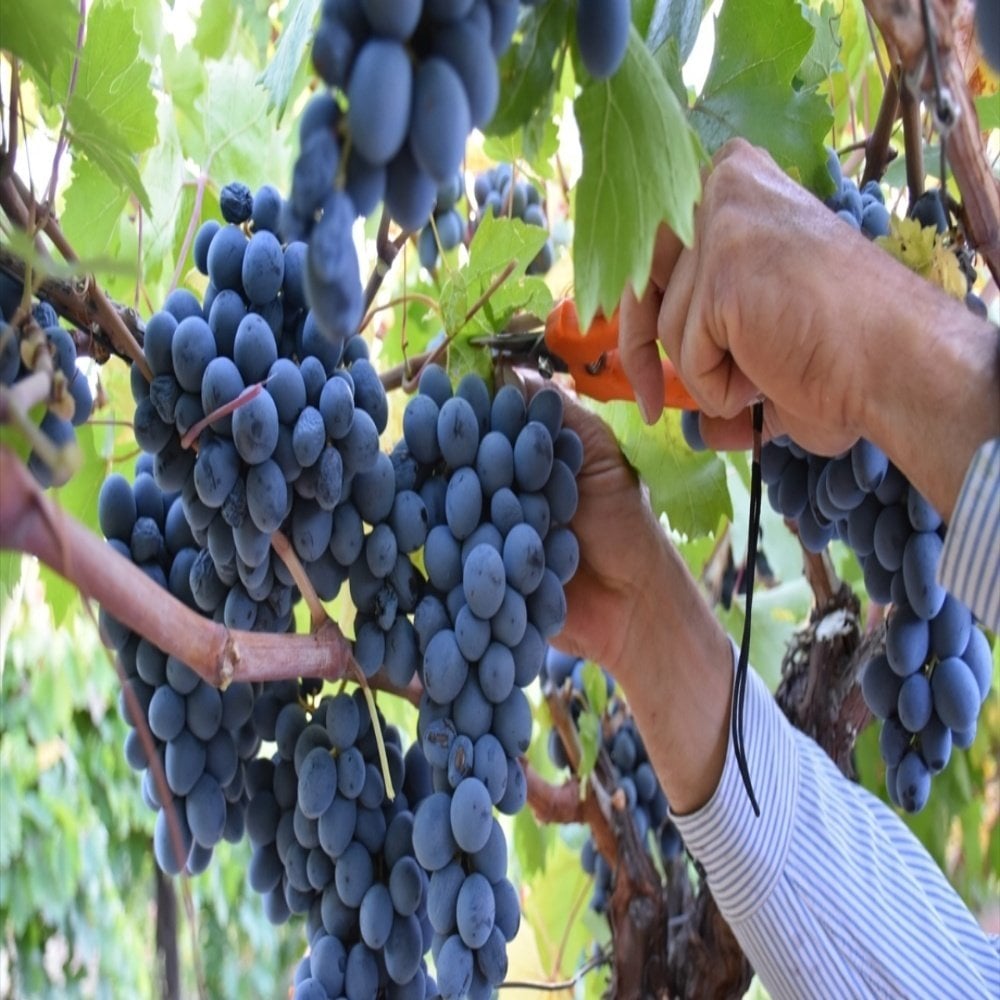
<point x="332" y="842"/>
<point x="298" y="448"/>
<point x="448" y="228"/>
<point x="497" y="192"/>
<point x="22" y="348"/>
<point x="495" y="482"/>
<point x="203" y="737"/>
<point x="634" y="774"/>
<point x="418" y="77"/>
<point x="865" y="209"/>
<point x="929" y="684"/>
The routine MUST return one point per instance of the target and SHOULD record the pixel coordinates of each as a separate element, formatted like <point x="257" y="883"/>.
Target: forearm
<point x="932" y="382"/>
<point x="676" y="669"/>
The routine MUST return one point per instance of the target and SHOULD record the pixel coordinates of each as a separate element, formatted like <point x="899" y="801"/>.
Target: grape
<point x="263" y="268"/>
<point x="913" y="782"/>
<point x="409" y="191"/>
<point x="255" y="429"/>
<point x="361" y="974"/>
<point x="206" y="811"/>
<point x="915" y="703"/>
<point x="881" y="685"/>
<point x="333" y="282"/>
<point x="467" y="50"/>
<point x="116" y="508"/>
<point x="512" y="723"/>
<point x="445" y="669"/>
<point x="404" y="949"/>
<point x="920" y="560"/>
<point x="433" y="841"/>
<point x="533" y="456"/>
<point x="457" y="432"/>
<point x="379" y="97"/>
<point x="907" y="641"/>
<point x="956" y="693"/>
<point x="471" y="815"/>
<point x="225" y="258"/>
<point x="454" y="968"/>
<point x="440" y="120"/>
<point x="463" y="503"/>
<point x="317" y="783"/>
<point x="215" y="471"/>
<point x="254" y="349"/>
<point x="359" y="447"/>
<point x="236" y="203"/>
<point x="376" y="916"/>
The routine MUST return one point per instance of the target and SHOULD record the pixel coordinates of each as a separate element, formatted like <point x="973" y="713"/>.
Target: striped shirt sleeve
<point x="970" y="562"/>
<point x="828" y="892"/>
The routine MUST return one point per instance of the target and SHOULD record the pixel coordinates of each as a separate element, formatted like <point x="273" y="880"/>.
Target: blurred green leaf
<point x="42" y="34"/>
<point x="292" y="51"/>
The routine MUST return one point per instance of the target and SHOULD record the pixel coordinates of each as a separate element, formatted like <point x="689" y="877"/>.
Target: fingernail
<point x="643" y="412"/>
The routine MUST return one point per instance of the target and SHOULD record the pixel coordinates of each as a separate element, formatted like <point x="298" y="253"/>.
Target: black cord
<point x="740" y="682"/>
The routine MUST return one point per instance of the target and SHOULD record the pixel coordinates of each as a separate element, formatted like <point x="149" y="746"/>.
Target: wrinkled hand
<point x="763" y="304"/>
<point x="619" y="538"/>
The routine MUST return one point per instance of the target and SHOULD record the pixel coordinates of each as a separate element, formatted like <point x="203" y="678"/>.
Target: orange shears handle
<point x="594" y="362"/>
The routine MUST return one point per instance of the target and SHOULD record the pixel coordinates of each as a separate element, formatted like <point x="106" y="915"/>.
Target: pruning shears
<point x="591" y="357"/>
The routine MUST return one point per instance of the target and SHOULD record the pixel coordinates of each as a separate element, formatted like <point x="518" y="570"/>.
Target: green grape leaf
<point x="689" y="487"/>
<point x="234" y="137"/>
<point x="750" y="90"/>
<point x="215" y="27"/>
<point x="640" y="167"/>
<point x="589" y="729"/>
<point x="94" y="205"/>
<point x="42" y="34"/>
<point x="291" y="52"/>
<point x="556" y="910"/>
<point x="824" y="53"/>
<point x="527" y="72"/>
<point x="674" y="19"/>
<point x="94" y="138"/>
<point x="113" y="80"/>
<point x="595" y="688"/>
<point x="532" y="843"/>
<point x="498" y="244"/>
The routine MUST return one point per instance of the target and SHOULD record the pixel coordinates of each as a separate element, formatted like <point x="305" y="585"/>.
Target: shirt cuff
<point x="743" y="855"/>
<point x="970" y="562"/>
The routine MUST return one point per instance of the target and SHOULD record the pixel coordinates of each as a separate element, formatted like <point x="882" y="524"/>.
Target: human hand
<point x="619" y="540"/>
<point x="769" y="301"/>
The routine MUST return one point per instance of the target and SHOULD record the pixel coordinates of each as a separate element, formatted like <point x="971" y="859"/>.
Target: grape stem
<point x="250" y="393"/>
<point x="287" y="554"/>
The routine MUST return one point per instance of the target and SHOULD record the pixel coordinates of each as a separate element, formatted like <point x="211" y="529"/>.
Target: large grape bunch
<point x="203" y="737"/>
<point x="634" y="775"/>
<point x="447" y="228"/>
<point x="29" y="340"/>
<point x="333" y="843"/>
<point x="489" y="488"/>
<point x="301" y="443"/>
<point x="417" y="77"/>
<point x="935" y="672"/>
<point x="500" y="194"/>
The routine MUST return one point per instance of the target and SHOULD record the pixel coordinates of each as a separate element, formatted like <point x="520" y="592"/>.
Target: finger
<point x="666" y="251"/>
<point x="638" y="350"/>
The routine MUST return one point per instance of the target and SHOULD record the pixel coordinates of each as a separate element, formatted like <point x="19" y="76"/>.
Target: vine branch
<point x="32" y="523"/>
<point x="901" y="24"/>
